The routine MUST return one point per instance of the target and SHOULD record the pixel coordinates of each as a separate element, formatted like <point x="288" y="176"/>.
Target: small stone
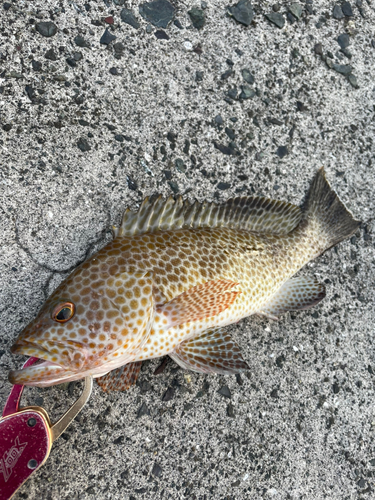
<point x="77" y="56"/>
<point x="119" y="48"/>
<point x="72" y="63"/>
<point x="329" y="62"/>
<point x="318" y="49"/>
<point x="178" y="25"/>
<point x="204" y="5"/>
<point x="296" y="9"/>
<point x="81" y="42"/>
<point x="230" y="411"/>
<point x="353" y="81"/>
<point x="346" y="53"/>
<point x="247" y="92"/>
<point x="84" y="123"/>
<point x="223" y="186"/>
<point x="247" y="76"/>
<point x="343" y="40"/>
<point x="37" y="66"/>
<point x="159" y="13"/>
<point x="39" y="401"/>
<point x="274" y="393"/>
<point x="131" y="183"/>
<point x="83" y="145"/>
<point x="301" y="107"/>
<point x="226" y="151"/>
<point x="197" y="18"/>
<point x="180" y="165"/>
<point x="46" y="29"/>
<point x="337" y="12"/>
<point x="119" y="138"/>
<point x="361" y="483"/>
<point x="227" y="74"/>
<point x="7" y="127"/>
<point x="276" y="18"/>
<point x="50" y="54"/>
<point x="219" y="120"/>
<point x="6" y="5"/>
<point x="230" y="133"/>
<point x="129" y="18"/>
<point x="174" y="186"/>
<point x="343" y="69"/>
<point x="199" y="76"/>
<point x="143" y="410"/>
<point x="149" y="28"/>
<point x="276" y="7"/>
<point x="335" y="388"/>
<point x="109" y="20"/>
<point x="161" y="35"/>
<point x="224" y="391"/>
<point x="282" y="151"/>
<point x="156" y="470"/>
<point x="232" y="93"/>
<point x="295" y="53"/>
<point x="107" y="37"/>
<point x="168" y="395"/>
<point x="242" y="12"/>
<point x="275" y="121"/>
<point x="172" y="136"/>
<point x="290" y="18"/>
<point x="347" y="9"/>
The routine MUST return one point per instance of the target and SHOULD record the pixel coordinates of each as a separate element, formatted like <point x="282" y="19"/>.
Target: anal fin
<point x="199" y="302"/>
<point x="212" y="352"/>
<point x="297" y="293"/>
<point x="120" y="379"/>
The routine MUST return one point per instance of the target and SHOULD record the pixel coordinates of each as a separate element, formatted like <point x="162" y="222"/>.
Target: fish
<point x="173" y="278"/>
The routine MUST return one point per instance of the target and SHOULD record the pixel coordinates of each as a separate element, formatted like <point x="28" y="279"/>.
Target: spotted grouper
<point x="173" y="278"/>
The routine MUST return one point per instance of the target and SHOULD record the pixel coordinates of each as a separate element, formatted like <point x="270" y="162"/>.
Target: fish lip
<point x="24" y="376"/>
<point x="28" y="349"/>
<point x="24" y="348"/>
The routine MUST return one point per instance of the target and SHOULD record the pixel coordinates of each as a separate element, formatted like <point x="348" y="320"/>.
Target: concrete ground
<point x="89" y="128"/>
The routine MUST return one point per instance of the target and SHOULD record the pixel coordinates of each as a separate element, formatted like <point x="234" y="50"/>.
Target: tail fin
<point x="323" y="208"/>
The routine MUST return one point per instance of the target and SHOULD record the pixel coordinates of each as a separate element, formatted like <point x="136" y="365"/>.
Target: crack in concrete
<point x="102" y="236"/>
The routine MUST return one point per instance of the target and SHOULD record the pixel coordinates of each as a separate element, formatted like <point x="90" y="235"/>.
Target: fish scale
<point x="175" y="275"/>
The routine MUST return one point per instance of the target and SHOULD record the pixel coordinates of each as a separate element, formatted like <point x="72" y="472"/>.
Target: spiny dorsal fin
<point x="250" y="213"/>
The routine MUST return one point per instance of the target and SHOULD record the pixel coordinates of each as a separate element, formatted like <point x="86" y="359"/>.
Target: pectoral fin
<point x="120" y="379"/>
<point x="297" y="293"/>
<point x="212" y="352"/>
<point x="202" y="301"/>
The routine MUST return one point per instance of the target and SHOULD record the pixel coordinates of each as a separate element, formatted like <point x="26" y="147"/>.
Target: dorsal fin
<point x="249" y="213"/>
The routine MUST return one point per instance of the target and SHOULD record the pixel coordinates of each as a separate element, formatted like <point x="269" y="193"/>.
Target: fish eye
<point x="63" y="312"/>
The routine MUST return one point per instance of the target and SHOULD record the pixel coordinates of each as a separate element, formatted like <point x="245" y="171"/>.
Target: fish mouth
<point x="44" y="373"/>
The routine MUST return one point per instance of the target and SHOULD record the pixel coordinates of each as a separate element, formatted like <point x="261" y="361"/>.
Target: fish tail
<point x="325" y="216"/>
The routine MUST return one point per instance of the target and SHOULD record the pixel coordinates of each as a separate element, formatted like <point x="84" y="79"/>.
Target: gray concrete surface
<point x="301" y="423"/>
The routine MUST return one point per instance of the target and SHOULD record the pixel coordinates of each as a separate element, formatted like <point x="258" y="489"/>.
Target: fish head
<point x="88" y="326"/>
